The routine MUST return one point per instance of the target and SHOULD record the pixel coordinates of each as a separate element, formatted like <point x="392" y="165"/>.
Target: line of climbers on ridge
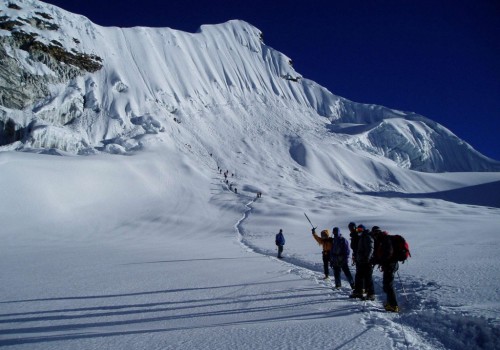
<point x="226" y="180"/>
<point x="370" y="248"/>
<point x="230" y="184"/>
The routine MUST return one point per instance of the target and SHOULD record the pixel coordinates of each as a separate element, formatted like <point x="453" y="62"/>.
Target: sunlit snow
<point x="120" y="232"/>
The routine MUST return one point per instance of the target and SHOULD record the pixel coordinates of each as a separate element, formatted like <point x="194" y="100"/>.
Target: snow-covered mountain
<point x="68" y="85"/>
<point x="157" y="249"/>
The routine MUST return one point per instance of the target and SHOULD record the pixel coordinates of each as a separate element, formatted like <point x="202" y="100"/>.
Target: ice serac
<point x="69" y="85"/>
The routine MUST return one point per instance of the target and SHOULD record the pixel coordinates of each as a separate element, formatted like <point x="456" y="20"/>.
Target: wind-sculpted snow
<point x="298" y="152"/>
<point x="91" y="87"/>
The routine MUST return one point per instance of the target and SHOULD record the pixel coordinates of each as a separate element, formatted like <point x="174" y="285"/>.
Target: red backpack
<point x="401" y="249"/>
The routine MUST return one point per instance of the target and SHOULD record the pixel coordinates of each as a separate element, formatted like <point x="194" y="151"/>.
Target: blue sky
<point x="438" y="58"/>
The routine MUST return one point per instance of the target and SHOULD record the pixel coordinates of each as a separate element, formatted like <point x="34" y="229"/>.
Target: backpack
<point x="280" y="239"/>
<point x="337" y="246"/>
<point x="340" y="248"/>
<point x="382" y="251"/>
<point x="401" y="249"/>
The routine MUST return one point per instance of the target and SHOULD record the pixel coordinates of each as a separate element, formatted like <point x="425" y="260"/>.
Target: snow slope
<point x="151" y="249"/>
<point x="119" y="84"/>
<point x="154" y="251"/>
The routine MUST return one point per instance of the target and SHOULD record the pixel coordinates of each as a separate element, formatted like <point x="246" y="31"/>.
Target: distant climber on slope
<point x="280" y="242"/>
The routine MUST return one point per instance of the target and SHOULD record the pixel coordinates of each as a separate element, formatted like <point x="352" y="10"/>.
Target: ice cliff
<point x="69" y="86"/>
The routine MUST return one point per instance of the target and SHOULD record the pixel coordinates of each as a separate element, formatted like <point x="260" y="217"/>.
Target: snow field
<point x="141" y="256"/>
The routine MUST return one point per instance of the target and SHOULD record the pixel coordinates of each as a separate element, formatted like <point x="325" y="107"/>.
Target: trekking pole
<point x="402" y="286"/>
<point x="309" y="221"/>
<point x="402" y="328"/>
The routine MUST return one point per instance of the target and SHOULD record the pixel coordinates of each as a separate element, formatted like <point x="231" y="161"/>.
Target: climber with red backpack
<point x="389" y="250"/>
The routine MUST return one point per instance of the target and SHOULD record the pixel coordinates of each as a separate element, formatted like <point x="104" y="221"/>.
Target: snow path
<point x="421" y="312"/>
<point x="374" y="315"/>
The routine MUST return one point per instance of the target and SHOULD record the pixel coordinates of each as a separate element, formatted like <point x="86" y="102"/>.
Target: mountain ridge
<point x="149" y="77"/>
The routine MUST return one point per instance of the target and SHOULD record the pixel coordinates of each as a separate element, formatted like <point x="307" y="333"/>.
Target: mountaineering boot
<point x="326" y="278"/>
<point x="355" y="295"/>
<point x="352" y="286"/>
<point x="391" y="308"/>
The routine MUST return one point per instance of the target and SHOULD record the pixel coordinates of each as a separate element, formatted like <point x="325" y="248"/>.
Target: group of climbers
<point x="226" y="175"/>
<point x="369" y="248"/>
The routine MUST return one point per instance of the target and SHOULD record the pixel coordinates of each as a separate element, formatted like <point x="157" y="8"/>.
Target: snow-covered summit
<point x="84" y="88"/>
